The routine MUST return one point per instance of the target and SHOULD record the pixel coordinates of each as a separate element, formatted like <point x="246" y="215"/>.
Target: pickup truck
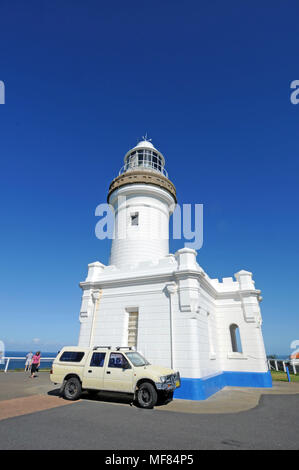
<point x="108" y="369"/>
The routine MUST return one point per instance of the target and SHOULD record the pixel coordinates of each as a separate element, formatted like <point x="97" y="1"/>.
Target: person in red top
<point x="35" y="364"/>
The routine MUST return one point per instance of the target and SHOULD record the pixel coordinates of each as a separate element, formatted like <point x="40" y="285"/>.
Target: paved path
<point x="231" y="399"/>
<point x="19" y="384"/>
<point x="228" y="400"/>
<point x="20" y="395"/>
<point x="27" y="405"/>
<point x="32" y="416"/>
<point x="98" y="425"/>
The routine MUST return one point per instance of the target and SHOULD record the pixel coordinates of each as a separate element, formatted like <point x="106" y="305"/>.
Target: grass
<point x="282" y="376"/>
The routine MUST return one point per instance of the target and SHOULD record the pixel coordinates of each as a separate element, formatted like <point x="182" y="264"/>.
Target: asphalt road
<point x="274" y="424"/>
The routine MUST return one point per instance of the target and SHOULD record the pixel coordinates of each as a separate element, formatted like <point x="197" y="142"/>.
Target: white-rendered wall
<point x="195" y="356"/>
<point x="253" y="356"/>
<point x="149" y="240"/>
<point x="153" y="338"/>
<point x="201" y="341"/>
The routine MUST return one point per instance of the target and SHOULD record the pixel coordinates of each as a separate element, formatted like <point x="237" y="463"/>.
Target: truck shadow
<point x="54" y="392"/>
<point x="108" y="397"/>
<point x="100" y="397"/>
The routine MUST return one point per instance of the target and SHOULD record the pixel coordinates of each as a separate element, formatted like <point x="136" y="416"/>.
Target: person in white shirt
<point x="29" y="357"/>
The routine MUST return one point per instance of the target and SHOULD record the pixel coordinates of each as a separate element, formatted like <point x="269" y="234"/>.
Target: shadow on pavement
<point x="108" y="397"/>
<point x="97" y="396"/>
<point x="54" y="393"/>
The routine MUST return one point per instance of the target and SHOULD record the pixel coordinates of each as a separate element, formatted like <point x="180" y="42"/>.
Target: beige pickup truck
<point x="108" y="369"/>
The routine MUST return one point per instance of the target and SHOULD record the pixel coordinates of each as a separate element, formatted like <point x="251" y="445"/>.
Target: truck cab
<point x="122" y="370"/>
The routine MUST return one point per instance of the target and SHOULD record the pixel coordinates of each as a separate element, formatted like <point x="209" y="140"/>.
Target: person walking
<point x="35" y="364"/>
<point x="29" y="357"/>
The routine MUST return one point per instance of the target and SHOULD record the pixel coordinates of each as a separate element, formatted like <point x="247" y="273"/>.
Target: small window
<point x="97" y="359"/>
<point x="132" y="329"/>
<point x="134" y="218"/>
<point x="235" y="338"/>
<point x="71" y="356"/>
<point x="118" y="361"/>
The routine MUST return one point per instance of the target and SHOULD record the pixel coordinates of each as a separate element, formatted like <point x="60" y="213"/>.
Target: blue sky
<point x="209" y="81"/>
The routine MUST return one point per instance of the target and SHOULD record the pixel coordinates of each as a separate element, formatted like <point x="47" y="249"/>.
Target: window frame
<point x="80" y="353"/>
<point x="94" y="354"/>
<point x="116" y="366"/>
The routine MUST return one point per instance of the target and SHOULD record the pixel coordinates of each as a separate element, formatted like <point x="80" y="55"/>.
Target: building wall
<point x="184" y="320"/>
<point x="201" y="340"/>
<point x="149" y="240"/>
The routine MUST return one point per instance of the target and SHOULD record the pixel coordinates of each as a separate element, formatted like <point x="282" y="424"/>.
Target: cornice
<point x="133" y="280"/>
<point x="155" y="278"/>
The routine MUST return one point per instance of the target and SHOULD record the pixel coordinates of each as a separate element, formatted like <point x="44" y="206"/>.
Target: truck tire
<point x="72" y="389"/>
<point x="147" y="396"/>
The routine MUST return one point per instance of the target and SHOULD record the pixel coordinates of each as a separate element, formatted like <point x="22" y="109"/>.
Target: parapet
<point x="244" y="279"/>
<point x="226" y="284"/>
<point x="243" y="282"/>
<point x="94" y="271"/>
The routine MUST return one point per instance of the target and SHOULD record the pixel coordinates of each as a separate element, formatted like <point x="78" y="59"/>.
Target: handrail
<point x="141" y="166"/>
<point x="21" y="358"/>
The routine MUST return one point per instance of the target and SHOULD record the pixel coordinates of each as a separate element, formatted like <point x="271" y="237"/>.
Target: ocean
<point x="20" y="363"/>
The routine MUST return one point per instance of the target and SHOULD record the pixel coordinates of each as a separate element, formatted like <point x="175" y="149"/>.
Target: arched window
<point x="235" y="338"/>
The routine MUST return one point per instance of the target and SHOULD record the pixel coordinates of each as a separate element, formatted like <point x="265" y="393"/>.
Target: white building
<point x="165" y="304"/>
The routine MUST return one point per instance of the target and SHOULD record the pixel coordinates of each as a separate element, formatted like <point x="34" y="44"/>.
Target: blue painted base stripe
<point x="201" y="389"/>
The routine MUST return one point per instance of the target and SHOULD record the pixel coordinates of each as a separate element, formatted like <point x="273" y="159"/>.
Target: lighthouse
<point x="143" y="198"/>
<point x="164" y="304"/>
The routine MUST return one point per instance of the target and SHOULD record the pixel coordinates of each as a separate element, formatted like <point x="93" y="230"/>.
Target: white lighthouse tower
<point x="165" y="305"/>
<point x="143" y="199"/>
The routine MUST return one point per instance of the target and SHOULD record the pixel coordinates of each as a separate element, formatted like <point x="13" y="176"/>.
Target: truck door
<point x="94" y="372"/>
<point x="118" y="374"/>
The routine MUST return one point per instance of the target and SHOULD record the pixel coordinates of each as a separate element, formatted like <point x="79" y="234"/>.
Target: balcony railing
<point x="149" y="166"/>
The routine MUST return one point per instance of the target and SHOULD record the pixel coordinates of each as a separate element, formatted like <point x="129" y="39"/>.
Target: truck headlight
<point x="163" y="379"/>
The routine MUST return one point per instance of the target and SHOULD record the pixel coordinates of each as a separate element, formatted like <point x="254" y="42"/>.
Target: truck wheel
<point x="147" y="396"/>
<point x="72" y="389"/>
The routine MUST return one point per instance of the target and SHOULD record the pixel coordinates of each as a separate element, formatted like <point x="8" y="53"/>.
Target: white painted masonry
<point x="184" y="317"/>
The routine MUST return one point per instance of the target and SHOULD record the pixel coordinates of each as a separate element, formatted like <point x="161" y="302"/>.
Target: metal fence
<point x="280" y="365"/>
<point x="23" y="359"/>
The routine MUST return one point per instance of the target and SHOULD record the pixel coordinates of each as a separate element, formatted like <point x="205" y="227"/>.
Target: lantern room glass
<point x="144" y="159"/>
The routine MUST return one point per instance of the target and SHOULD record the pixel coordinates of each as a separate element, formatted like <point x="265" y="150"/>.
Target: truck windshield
<point x="136" y="359"/>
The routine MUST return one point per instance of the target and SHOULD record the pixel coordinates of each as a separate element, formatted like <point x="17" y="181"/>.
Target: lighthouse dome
<point x="145" y="144"/>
